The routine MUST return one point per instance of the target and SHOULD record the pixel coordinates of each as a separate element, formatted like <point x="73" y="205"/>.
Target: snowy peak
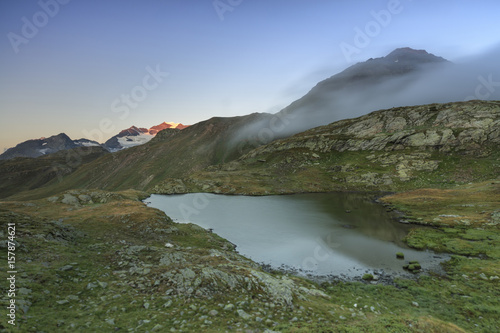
<point x="44" y="146"/>
<point x="132" y="131"/>
<point x="135" y="136"/>
<point x="155" y="129"/>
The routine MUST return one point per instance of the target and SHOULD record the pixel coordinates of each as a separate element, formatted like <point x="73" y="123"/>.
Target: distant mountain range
<point x="366" y="86"/>
<point x="127" y="138"/>
<point x="45" y="146"/>
<point x="134" y="136"/>
<point x="167" y="152"/>
<point x="361" y="88"/>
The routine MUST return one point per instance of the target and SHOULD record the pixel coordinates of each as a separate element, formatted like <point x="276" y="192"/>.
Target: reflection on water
<point x="359" y="211"/>
<point x="332" y="233"/>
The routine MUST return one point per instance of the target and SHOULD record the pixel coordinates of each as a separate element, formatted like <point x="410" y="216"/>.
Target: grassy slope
<point x="100" y="242"/>
<point x="372" y="152"/>
<point x="23" y="174"/>
<point x="173" y="153"/>
<point x="466" y="299"/>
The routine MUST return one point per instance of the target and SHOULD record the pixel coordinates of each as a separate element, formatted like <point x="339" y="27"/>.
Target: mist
<point x="476" y="77"/>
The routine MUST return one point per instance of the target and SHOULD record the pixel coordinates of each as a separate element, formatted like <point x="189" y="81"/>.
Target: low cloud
<point x="472" y="78"/>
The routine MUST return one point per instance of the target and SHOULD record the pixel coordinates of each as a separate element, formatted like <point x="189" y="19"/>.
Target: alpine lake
<point x="318" y="235"/>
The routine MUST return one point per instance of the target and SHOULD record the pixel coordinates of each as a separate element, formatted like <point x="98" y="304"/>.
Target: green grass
<point x="94" y="247"/>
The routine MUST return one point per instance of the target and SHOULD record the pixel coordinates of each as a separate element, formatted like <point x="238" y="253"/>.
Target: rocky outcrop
<point x="393" y="149"/>
<point x="170" y="186"/>
<point x="442" y="127"/>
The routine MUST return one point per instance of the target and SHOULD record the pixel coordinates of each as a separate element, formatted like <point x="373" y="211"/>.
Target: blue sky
<point x="68" y="66"/>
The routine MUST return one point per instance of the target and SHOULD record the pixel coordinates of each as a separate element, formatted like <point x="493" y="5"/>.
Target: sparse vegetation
<point x="96" y="260"/>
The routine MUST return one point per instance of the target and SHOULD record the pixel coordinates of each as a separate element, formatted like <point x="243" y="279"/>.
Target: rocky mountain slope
<point x="24" y="174"/>
<point x="252" y="131"/>
<point x="171" y="153"/>
<point x="129" y="137"/>
<point x="384" y="82"/>
<point x="45" y="146"/>
<point x="134" y="136"/>
<point x="395" y="149"/>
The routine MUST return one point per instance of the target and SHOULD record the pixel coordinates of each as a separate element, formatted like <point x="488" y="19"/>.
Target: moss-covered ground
<point x="72" y="273"/>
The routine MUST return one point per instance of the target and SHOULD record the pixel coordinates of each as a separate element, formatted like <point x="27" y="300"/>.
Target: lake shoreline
<point x="328" y="251"/>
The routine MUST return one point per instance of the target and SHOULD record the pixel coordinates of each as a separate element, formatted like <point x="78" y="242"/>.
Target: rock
<point x="313" y="292"/>
<point x="413" y="266"/>
<point x="66" y="268"/>
<point x="110" y="321"/>
<point x="243" y="314"/>
<point x="281" y="290"/>
<point x="400" y="255"/>
<point x="157" y="327"/>
<point x="91" y="286"/>
<point x="102" y="284"/>
<point x="24" y="291"/>
<point x="213" y="313"/>
<point x="86" y="199"/>
<point x="172" y="258"/>
<point x="494" y="278"/>
<point x="229" y="307"/>
<point x="64" y="301"/>
<point x="367" y="277"/>
<point x="415" y="304"/>
<point x="483" y="276"/>
<point x="70" y="200"/>
<point x="53" y="199"/>
<point x="170" y="186"/>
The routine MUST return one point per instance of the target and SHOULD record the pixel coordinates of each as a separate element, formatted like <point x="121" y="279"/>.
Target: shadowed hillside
<point x="172" y="153"/>
<point x="396" y="149"/>
<point x="24" y="173"/>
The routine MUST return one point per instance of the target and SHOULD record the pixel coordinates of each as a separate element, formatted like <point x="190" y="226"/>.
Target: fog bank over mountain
<point x="403" y="78"/>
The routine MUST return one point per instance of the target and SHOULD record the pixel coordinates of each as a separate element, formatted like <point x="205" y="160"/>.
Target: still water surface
<point x="320" y="234"/>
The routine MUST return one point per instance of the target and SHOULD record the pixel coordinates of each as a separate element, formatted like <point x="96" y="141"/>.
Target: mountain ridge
<point x="34" y="148"/>
<point x="172" y="152"/>
<point x="386" y="150"/>
<point x="38" y="147"/>
<point x="134" y="136"/>
<point x="374" y="84"/>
